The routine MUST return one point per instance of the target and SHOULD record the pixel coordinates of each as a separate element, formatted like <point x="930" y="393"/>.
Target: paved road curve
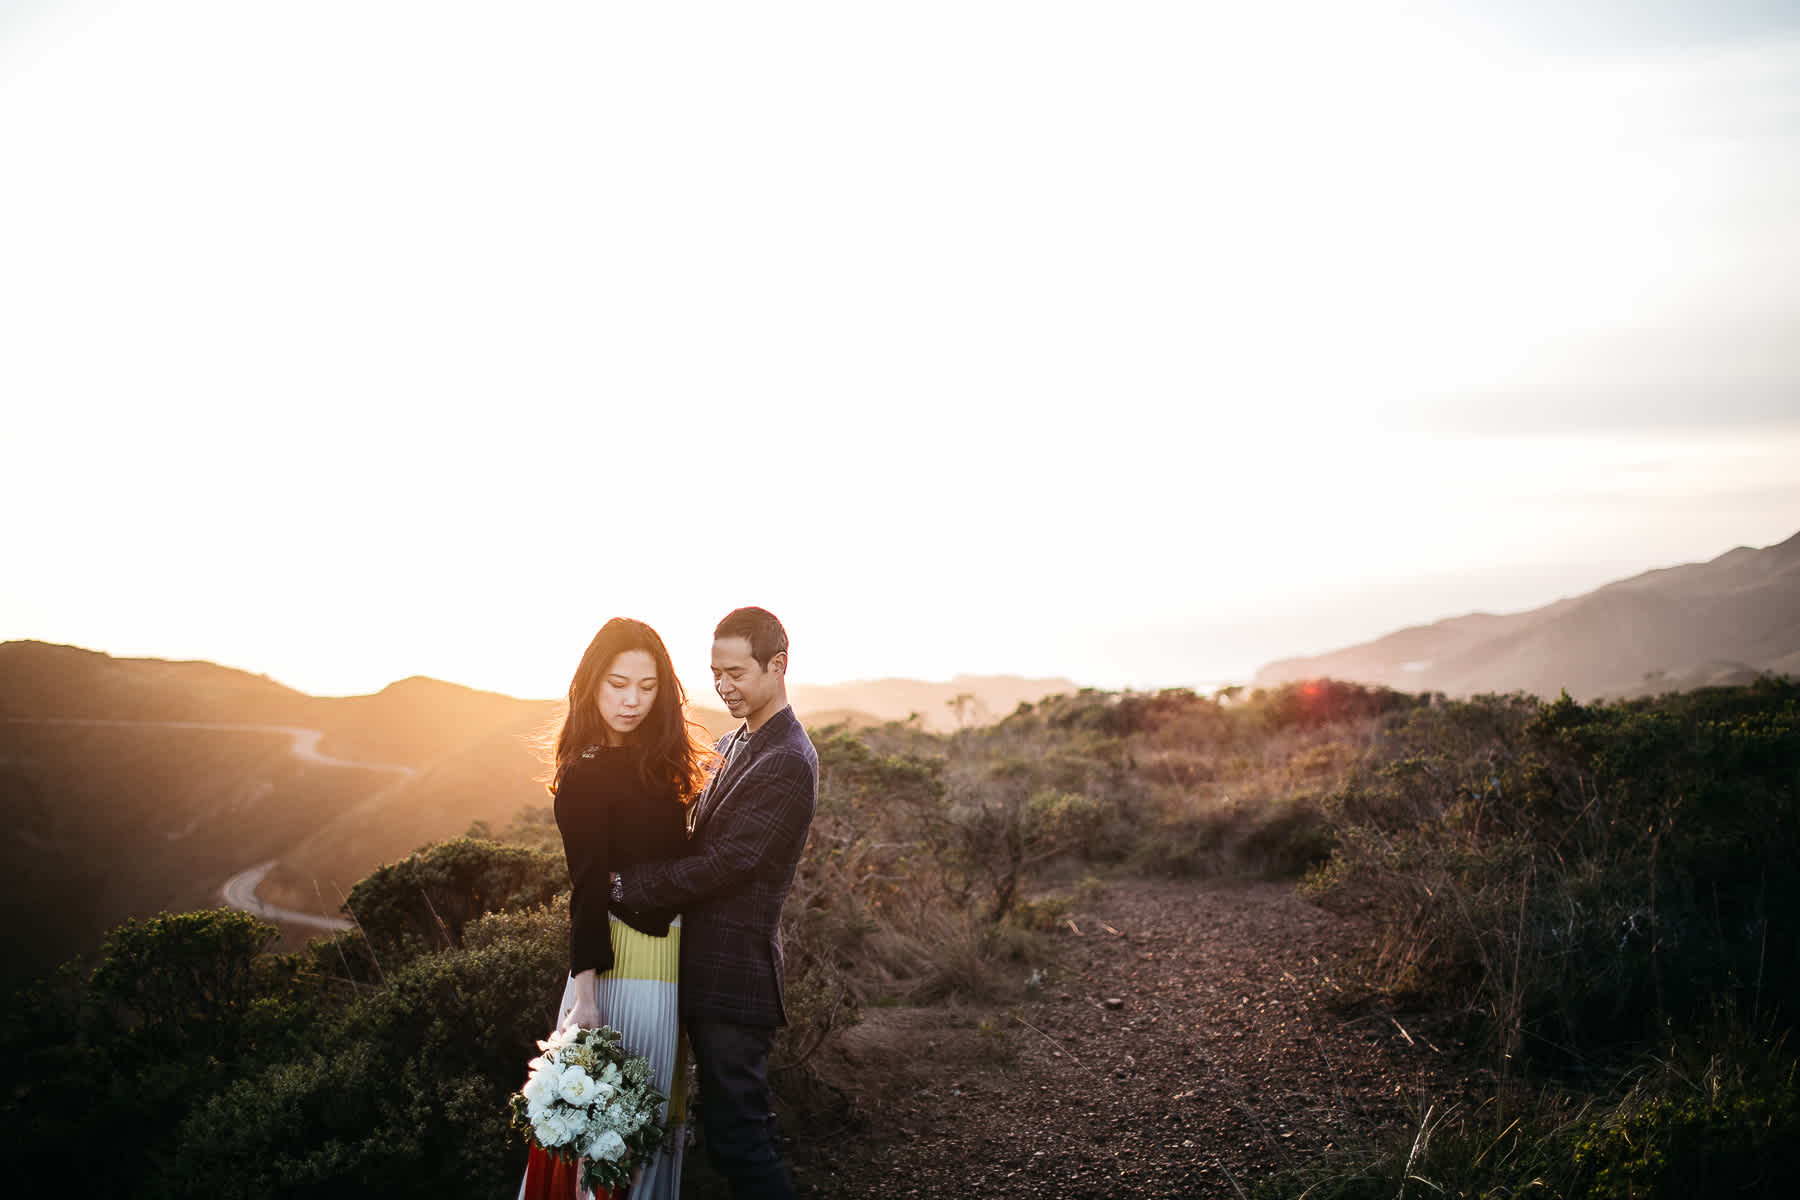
<point x="240" y="890"/>
<point x="305" y="747"/>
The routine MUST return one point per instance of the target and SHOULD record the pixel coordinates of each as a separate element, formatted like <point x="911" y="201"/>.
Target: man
<point x="749" y="829"/>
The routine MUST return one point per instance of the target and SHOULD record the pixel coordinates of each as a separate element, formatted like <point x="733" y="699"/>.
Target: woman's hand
<point x="584" y="1011"/>
<point x="583" y="1014"/>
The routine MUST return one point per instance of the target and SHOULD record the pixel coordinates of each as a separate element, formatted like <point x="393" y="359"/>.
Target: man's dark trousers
<point x="736" y="1116"/>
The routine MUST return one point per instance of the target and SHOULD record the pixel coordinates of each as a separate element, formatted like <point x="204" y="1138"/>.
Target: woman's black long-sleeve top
<point x="609" y="819"/>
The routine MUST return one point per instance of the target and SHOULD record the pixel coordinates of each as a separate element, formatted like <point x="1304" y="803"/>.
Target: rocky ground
<point x="1194" y="1039"/>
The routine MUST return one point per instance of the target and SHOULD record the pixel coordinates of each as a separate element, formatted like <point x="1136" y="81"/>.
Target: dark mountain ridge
<point x="1723" y="621"/>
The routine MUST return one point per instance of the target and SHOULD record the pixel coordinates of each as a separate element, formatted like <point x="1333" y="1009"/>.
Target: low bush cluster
<point x="202" y="1065"/>
<point x="1611" y="894"/>
<point x="1725" y="1125"/>
<point x="1582" y="875"/>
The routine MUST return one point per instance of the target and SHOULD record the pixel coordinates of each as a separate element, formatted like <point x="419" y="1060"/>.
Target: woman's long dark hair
<point x="675" y="752"/>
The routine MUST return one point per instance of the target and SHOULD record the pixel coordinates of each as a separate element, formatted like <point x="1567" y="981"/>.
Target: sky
<point x="1138" y="344"/>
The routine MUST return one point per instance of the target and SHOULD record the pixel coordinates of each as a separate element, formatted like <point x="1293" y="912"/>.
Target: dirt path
<point x="1194" y="1040"/>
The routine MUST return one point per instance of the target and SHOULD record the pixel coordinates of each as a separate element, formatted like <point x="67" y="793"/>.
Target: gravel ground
<point x="1195" y="1038"/>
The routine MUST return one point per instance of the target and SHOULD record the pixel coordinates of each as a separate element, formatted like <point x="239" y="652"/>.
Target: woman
<point x="626" y="764"/>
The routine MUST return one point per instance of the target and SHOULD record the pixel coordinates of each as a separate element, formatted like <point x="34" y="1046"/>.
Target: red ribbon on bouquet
<point x="551" y="1177"/>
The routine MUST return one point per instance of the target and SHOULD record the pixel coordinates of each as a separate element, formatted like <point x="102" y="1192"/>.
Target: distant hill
<point x="1719" y="622"/>
<point x="39" y="679"/>
<point x="131" y="786"/>
<point x="418" y="720"/>
<point x="122" y="798"/>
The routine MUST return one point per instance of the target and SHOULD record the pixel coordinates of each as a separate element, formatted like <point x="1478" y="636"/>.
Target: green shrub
<point x="424" y="900"/>
<point x="1045" y="914"/>
<point x="405" y="1094"/>
<point x="179" y="985"/>
<point x="177" y="1006"/>
<point x="1316" y="703"/>
<point x="1583" y="874"/>
<point x="1739" y="1145"/>
<point x="1725" y="1124"/>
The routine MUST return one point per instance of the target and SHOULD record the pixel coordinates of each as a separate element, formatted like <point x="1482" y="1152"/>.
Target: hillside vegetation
<point x="1598" y="901"/>
<point x="138" y="786"/>
<point x="111" y="821"/>
<point x="123" y="808"/>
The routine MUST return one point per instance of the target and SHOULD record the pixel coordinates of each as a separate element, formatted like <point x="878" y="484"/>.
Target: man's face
<point x="750" y="692"/>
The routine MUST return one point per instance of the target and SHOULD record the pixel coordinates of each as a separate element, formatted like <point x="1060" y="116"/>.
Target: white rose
<point x="568" y="1126"/>
<point x="609" y="1146"/>
<point x="540" y="1089"/>
<point x="610" y="1074"/>
<point x="576" y="1087"/>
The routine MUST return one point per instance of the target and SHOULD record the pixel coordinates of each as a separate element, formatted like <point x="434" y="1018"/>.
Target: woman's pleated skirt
<point x="638" y="998"/>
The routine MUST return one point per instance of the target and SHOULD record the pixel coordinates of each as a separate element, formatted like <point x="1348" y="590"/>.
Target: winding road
<point x="240" y="893"/>
<point x="240" y="890"/>
<point x="305" y="747"/>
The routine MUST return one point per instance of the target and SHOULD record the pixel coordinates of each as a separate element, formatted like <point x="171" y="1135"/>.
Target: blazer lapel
<point x="717" y="786"/>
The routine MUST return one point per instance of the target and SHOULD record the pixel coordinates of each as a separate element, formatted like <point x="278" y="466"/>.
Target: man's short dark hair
<point x="757" y="626"/>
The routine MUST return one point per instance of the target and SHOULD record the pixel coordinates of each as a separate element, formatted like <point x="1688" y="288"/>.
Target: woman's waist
<point x="639" y="851"/>
<point x="657" y="918"/>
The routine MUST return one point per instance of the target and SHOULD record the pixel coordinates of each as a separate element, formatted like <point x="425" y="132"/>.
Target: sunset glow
<point x="1138" y="345"/>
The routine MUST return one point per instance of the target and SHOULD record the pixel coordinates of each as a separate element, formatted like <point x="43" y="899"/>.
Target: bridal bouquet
<point x="587" y="1099"/>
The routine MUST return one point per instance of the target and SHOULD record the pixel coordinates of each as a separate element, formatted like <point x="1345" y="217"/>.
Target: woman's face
<point x="627" y="693"/>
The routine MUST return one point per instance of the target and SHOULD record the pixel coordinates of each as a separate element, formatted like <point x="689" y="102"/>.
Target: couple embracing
<point x="680" y="856"/>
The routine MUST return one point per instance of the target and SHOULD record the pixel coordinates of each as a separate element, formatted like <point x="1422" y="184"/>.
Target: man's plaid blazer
<point x="750" y="827"/>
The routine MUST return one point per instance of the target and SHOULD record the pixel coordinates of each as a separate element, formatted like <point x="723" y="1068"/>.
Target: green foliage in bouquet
<point x="590" y="1100"/>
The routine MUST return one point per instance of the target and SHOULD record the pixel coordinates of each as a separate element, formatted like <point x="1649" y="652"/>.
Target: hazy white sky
<point x="1139" y="343"/>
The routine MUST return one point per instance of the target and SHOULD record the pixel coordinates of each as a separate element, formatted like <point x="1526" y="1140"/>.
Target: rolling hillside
<point x="134" y="786"/>
<point x="1723" y="621"/>
<point x="109" y="820"/>
<point x="38" y="679"/>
